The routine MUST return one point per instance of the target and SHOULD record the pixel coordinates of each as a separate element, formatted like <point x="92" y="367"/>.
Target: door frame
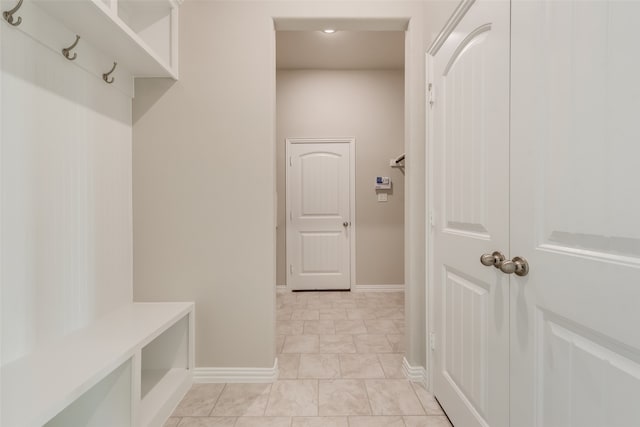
<point x="430" y="225"/>
<point x="352" y="198"/>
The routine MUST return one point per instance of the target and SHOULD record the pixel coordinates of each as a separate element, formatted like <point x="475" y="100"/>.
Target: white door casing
<point x="469" y="114"/>
<point x="575" y="214"/>
<point x="320" y="213"/>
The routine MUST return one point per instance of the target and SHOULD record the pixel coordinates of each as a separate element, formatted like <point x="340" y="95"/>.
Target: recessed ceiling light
<point x="329" y="31"/>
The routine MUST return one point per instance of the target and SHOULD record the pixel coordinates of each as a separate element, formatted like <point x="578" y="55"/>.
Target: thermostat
<point x="383" y="183"/>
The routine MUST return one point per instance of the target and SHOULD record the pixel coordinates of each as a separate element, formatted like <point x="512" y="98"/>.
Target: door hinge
<point x="290" y="216"/>
<point x="432" y="341"/>
<point x="290" y="268"/>
<point x="430" y="95"/>
<point x="290" y="161"/>
<point x="432" y="218"/>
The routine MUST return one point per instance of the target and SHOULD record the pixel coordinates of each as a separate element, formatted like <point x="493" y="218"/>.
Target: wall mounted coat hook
<point x="67" y="50"/>
<point x="105" y="76"/>
<point x="8" y="15"/>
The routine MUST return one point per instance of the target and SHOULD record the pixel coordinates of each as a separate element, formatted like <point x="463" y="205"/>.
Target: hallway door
<point x="470" y="180"/>
<point x="570" y="176"/>
<point x="319" y="207"/>
<point x="575" y="214"/>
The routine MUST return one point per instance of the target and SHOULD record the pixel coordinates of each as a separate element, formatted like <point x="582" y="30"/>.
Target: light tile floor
<point x="340" y="360"/>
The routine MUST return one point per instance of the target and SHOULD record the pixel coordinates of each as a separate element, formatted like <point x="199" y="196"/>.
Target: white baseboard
<point x="377" y="288"/>
<point x="236" y="375"/>
<point x="281" y="289"/>
<point x="416" y="374"/>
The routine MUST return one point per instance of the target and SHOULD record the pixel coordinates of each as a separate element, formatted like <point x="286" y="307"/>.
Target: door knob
<point x="517" y="265"/>
<point x="496" y="259"/>
<point x="346" y="223"/>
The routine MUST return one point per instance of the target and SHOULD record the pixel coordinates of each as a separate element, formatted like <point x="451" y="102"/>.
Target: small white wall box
<point x="383" y="183"/>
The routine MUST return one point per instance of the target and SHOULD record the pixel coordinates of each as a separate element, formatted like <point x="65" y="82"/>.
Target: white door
<point x="574" y="183"/>
<point x="469" y="117"/>
<point x="575" y="214"/>
<point x="319" y="204"/>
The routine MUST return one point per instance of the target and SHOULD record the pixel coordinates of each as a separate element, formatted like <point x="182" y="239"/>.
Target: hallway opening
<point x="347" y="85"/>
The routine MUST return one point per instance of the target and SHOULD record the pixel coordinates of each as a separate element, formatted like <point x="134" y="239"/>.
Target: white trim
<point x="339" y="140"/>
<point x="2" y="229"/>
<point x="450" y="26"/>
<point x="351" y="140"/>
<point x="236" y="375"/>
<point x="377" y="288"/>
<point x="431" y="224"/>
<point x="416" y="374"/>
<point x="281" y="289"/>
<point x="285" y="23"/>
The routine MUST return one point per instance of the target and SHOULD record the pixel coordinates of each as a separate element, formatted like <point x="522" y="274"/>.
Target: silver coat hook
<point x="8" y="15"/>
<point x="105" y="76"/>
<point x="67" y="50"/>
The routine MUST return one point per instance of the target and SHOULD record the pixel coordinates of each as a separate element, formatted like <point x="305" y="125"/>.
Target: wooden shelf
<point x="101" y="26"/>
<point x="39" y="386"/>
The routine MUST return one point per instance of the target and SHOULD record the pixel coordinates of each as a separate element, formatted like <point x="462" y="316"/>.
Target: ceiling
<point x="342" y="50"/>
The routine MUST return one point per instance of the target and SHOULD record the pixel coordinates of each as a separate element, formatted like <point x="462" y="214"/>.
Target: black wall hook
<point x="105" y="76"/>
<point x="67" y="50"/>
<point x="8" y="15"/>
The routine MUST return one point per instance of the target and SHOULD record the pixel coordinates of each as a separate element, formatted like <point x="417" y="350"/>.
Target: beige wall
<point x="368" y="105"/>
<point x="204" y="174"/>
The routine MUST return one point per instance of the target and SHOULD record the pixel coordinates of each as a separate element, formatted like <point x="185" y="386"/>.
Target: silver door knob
<point x="495" y="259"/>
<point x="346" y="223"/>
<point x="517" y="265"/>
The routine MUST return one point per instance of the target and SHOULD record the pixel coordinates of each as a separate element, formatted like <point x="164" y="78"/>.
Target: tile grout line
<point x="366" y="390"/>
<point x="419" y="400"/>
<point x="264" y="413"/>
<point x="224" y="387"/>
<point x="318" y="394"/>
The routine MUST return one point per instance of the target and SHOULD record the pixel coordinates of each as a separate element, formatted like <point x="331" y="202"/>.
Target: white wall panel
<point x="66" y="196"/>
<point x="587" y="208"/>
<point x="465" y="148"/>
<point x="466" y="305"/>
<point x="584" y="383"/>
<point x="319" y="254"/>
<point x="319" y="196"/>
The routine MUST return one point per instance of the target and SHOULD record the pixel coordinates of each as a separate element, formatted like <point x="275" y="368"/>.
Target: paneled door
<point x="320" y="187"/>
<point x="573" y="249"/>
<point x="575" y="214"/>
<point x="469" y="118"/>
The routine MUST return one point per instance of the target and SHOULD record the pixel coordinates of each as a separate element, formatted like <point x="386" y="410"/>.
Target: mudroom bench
<point x="128" y="369"/>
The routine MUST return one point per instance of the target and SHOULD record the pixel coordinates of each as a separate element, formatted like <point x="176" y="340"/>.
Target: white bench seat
<point x="41" y="385"/>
